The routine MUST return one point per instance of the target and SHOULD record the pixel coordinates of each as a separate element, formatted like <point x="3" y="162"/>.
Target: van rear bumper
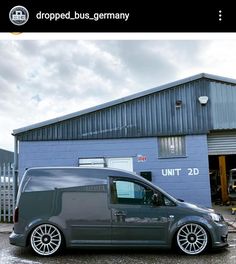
<point x="17" y="239"/>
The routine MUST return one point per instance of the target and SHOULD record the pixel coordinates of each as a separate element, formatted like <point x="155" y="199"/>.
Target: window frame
<point x="169" y="155"/>
<point x="144" y="184"/>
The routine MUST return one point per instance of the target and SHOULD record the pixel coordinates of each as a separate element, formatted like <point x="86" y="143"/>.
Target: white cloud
<point x="44" y="79"/>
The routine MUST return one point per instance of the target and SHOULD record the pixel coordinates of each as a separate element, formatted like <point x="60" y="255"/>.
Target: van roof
<point x="77" y="168"/>
<point x="124" y="172"/>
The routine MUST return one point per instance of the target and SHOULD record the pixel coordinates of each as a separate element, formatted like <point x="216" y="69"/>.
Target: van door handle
<point x="119" y="213"/>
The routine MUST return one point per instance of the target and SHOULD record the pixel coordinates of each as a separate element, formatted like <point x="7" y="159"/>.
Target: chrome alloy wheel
<point x="192" y="239"/>
<point x="46" y="239"/>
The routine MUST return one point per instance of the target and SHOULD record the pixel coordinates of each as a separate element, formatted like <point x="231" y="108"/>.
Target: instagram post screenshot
<point x="117" y="132"/>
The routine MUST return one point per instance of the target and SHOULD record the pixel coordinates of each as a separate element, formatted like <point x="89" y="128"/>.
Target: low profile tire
<point x="46" y="240"/>
<point x="192" y="239"/>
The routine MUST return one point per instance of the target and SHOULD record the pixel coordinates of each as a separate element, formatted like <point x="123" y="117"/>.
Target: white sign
<point x="193" y="171"/>
<point x="170" y="172"/>
<point x="177" y="171"/>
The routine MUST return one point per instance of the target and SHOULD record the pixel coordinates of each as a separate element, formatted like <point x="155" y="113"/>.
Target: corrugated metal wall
<point x="151" y="115"/>
<point x="222" y="143"/>
<point x="223" y="105"/>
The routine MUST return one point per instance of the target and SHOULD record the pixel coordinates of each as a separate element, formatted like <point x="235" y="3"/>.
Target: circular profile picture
<point x="19" y="15"/>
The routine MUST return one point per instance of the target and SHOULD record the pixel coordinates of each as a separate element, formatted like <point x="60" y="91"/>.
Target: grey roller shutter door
<point x="222" y="144"/>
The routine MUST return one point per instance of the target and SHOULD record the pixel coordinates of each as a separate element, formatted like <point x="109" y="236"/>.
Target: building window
<point x="170" y="147"/>
<point x="92" y="162"/>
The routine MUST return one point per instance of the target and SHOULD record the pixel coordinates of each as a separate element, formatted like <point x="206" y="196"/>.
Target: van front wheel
<point x="192" y="239"/>
<point x="46" y="240"/>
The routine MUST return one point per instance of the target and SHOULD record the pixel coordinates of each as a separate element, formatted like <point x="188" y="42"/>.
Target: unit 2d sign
<point x="178" y="171"/>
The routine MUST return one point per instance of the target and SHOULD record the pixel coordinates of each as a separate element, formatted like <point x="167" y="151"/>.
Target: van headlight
<point x="215" y="217"/>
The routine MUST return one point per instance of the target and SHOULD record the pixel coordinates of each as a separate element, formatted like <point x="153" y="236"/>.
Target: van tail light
<point x="16" y="215"/>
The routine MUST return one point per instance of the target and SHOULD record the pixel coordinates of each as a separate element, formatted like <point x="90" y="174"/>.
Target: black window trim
<point x="110" y="181"/>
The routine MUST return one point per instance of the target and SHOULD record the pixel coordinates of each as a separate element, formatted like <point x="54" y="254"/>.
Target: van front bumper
<point x="220" y="235"/>
<point x="17" y="239"/>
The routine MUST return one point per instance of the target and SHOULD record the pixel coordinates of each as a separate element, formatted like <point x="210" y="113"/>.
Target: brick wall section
<point x="191" y="188"/>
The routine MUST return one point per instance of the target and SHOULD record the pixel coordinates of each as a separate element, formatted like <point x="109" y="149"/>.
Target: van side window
<point x="167" y="202"/>
<point x="47" y="180"/>
<point x="129" y="192"/>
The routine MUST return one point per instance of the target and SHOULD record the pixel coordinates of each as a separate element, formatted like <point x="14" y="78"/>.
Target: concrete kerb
<point x="6" y="228"/>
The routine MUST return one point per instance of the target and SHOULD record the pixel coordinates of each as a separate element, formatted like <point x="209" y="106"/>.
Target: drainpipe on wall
<point x="15" y="168"/>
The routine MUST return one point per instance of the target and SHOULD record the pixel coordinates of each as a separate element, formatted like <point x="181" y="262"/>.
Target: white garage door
<point x="221" y="144"/>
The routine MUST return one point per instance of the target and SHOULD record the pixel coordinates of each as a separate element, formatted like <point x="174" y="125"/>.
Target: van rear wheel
<point x="46" y="240"/>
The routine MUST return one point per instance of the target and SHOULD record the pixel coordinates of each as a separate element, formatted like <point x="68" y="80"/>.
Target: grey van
<point x="84" y="207"/>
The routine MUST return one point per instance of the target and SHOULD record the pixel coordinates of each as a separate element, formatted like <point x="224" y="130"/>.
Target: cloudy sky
<point x="40" y="80"/>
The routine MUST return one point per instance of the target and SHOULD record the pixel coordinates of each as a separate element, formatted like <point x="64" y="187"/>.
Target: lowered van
<point x="93" y="207"/>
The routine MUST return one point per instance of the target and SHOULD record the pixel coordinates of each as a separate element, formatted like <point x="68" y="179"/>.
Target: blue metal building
<point x="172" y="134"/>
